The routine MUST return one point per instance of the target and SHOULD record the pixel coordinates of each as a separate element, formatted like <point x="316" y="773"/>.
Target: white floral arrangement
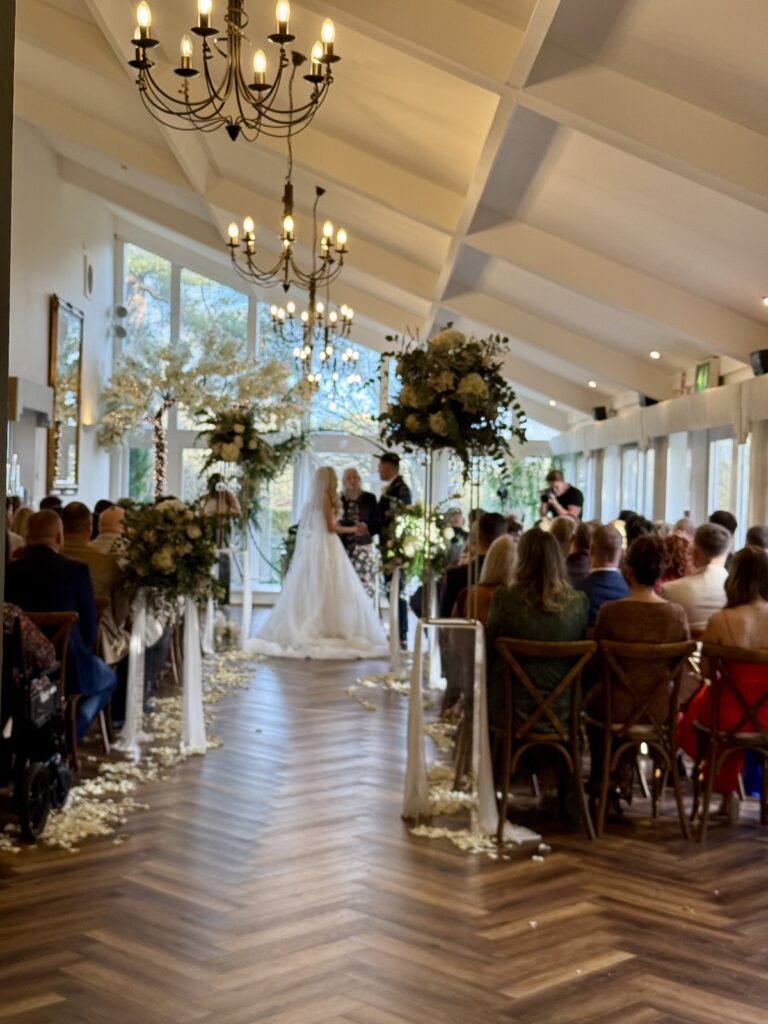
<point x="412" y="540"/>
<point x="453" y="396"/>
<point x="168" y="552"/>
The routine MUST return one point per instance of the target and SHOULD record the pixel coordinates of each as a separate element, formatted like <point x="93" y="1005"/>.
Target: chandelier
<point x="319" y="329"/>
<point x="242" y="102"/>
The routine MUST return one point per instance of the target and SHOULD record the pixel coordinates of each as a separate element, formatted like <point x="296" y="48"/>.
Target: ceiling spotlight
<point x="591" y="383"/>
<point x="654" y="354"/>
<point x="552" y="402"/>
<point x="765" y="300"/>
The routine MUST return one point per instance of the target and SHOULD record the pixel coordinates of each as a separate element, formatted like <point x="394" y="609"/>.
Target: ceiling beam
<point x="536" y="32"/>
<point x="570" y="266"/>
<point x="652" y="125"/>
<point x="591" y="357"/>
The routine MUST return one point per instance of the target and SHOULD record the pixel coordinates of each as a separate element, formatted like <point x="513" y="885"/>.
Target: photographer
<point x="560" y="498"/>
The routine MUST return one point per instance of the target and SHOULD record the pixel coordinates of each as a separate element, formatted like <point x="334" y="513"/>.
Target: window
<point x="742" y="491"/>
<point x="348" y="405"/>
<point x="146" y="296"/>
<point x="630" y="476"/>
<point x="679" y="461"/>
<point x="275" y="517"/>
<point x="722" y="478"/>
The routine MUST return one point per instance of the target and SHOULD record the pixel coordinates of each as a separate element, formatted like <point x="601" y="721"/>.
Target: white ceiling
<point x="588" y="177"/>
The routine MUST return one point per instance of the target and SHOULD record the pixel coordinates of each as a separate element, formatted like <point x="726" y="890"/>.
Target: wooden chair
<point x="541" y="727"/>
<point x="57" y="626"/>
<point x="640" y="723"/>
<point x="747" y="733"/>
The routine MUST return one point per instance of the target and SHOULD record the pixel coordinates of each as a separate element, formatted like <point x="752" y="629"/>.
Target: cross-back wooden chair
<point x="640" y="722"/>
<point x="541" y="727"/>
<point x="57" y="626"/>
<point x="748" y="732"/>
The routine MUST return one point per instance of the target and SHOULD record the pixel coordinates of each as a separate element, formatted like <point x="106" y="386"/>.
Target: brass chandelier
<point x="243" y="103"/>
<point x="320" y="329"/>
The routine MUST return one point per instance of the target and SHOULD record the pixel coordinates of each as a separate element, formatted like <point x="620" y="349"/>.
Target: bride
<point x="323" y="610"/>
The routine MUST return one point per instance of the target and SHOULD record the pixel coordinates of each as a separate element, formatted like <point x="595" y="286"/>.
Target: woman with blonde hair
<point x="322" y="611"/>
<point x="498" y="571"/>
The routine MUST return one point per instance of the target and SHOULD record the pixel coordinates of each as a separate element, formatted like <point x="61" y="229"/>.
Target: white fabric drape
<point x="207" y="639"/>
<point x="132" y="734"/>
<point x="193" y="719"/>
<point x="484" y="818"/>
<point x="395" y="658"/>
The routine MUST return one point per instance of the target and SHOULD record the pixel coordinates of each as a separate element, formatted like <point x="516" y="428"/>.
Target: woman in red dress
<point x="742" y="623"/>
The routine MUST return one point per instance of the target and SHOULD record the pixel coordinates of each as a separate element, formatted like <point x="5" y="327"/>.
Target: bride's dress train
<point x="322" y="612"/>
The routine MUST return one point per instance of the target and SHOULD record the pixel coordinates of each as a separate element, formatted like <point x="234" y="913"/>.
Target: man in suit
<point x="43" y="580"/>
<point x="77" y="522"/>
<point x="395" y="488"/>
<point x="604" y="581"/>
<point x="703" y="592"/>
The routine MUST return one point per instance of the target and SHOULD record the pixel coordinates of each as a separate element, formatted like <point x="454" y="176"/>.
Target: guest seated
<point x="104" y="571"/>
<point x="638" y="526"/>
<point x="641" y="617"/>
<point x="577" y="563"/>
<point x="540" y="605"/>
<point x="52" y="503"/>
<point x="111" y="529"/>
<point x="702" y="593"/>
<point x="728" y="521"/>
<point x="490" y="525"/>
<point x="101" y="506"/>
<point x="17" y="529"/>
<point x="685" y="527"/>
<point x="457" y="658"/>
<point x="604" y="581"/>
<point x="562" y="529"/>
<point x="498" y="571"/>
<point x="43" y="580"/>
<point x="678" y="558"/>
<point x="742" y="623"/>
<point x="757" y="538"/>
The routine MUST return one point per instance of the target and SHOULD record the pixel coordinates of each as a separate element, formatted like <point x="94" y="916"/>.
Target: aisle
<point x="273" y="882"/>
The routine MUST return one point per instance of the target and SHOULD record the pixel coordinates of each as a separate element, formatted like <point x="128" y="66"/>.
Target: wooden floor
<point x="274" y="881"/>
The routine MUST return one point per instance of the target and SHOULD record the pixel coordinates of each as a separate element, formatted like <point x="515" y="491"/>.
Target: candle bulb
<point x="288" y="226"/>
<point x="259" y="68"/>
<point x="316" y="56"/>
<point x="341" y="240"/>
<point x="282" y="16"/>
<point x="328" y="36"/>
<point x="143" y="19"/>
<point x="186" y="52"/>
<point x="234" y="233"/>
<point x="204" y="8"/>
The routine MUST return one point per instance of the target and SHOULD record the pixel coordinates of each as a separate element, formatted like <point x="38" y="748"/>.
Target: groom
<point x="395" y="488"/>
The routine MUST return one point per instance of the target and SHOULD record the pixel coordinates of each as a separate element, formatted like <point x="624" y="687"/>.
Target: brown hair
<point x="712" y="540"/>
<point x="748" y="578"/>
<point x="607" y="543"/>
<point x="678" y="554"/>
<point x="540" y="574"/>
<point x="563" y="529"/>
<point x="76" y="518"/>
<point x="646" y="559"/>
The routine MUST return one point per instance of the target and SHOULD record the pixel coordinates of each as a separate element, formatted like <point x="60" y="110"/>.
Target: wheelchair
<point x="35" y="750"/>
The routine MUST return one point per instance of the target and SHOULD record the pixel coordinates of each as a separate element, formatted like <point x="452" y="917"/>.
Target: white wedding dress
<point x="322" y="612"/>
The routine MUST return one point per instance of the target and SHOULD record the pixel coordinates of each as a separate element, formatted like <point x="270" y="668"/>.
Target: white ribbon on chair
<point x="193" y="719"/>
<point x="395" y="660"/>
<point x="132" y="735"/>
<point x="484" y="816"/>
<point x="207" y="640"/>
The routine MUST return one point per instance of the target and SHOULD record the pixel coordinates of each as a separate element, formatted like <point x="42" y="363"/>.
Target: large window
<point x="146" y="296"/>
<point x="630" y="477"/>
<point x="722" y="472"/>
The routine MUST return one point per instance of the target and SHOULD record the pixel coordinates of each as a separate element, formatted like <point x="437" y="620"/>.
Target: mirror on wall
<point x="65" y="374"/>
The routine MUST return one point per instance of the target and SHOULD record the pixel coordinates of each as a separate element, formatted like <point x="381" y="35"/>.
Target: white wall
<point x="54" y="225"/>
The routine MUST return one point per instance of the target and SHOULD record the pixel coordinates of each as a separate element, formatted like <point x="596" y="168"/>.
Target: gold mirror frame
<point x="65" y="373"/>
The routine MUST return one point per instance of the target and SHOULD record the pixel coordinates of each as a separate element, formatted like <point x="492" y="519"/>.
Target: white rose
<point x="230" y="452"/>
<point x="194" y="532"/>
<point x="238" y="442"/>
<point x="253" y="445"/>
<point x="448" y="533"/>
<point x="239" y="428"/>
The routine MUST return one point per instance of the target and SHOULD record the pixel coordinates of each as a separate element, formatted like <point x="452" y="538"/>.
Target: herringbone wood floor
<point x="273" y="881"/>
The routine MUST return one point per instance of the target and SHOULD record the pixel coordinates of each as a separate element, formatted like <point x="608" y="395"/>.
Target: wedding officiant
<point x="359" y="507"/>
